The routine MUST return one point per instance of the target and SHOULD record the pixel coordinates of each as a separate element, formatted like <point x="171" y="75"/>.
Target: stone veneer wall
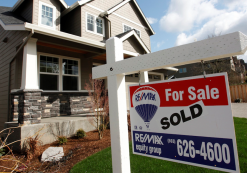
<point x="26" y="106"/>
<point x="29" y="106"/>
<point x="64" y="104"/>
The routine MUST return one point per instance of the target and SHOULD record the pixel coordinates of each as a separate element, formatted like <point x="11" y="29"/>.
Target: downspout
<point x="110" y="25"/>
<point x="22" y="45"/>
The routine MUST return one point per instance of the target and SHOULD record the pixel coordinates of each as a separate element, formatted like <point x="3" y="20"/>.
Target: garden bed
<point x="75" y="149"/>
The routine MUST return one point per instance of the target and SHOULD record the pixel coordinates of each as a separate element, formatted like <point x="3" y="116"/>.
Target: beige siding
<point x="7" y="51"/>
<point x="86" y="9"/>
<point x="132" y="45"/>
<point x="71" y="23"/>
<point x="128" y="11"/>
<point x="55" y="3"/>
<point x="26" y="10"/>
<point x="117" y="28"/>
<point x="105" y="4"/>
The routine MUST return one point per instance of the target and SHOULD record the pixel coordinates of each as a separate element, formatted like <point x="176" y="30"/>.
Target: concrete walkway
<point x="239" y="110"/>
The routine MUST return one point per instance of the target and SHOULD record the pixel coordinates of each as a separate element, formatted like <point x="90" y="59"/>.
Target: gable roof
<point x="19" y="2"/>
<point x="9" y="18"/>
<point x="124" y="36"/>
<point x="75" y="5"/>
<point x="119" y="5"/>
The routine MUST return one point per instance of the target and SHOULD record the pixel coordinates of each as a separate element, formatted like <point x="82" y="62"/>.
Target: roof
<point x="19" y="2"/>
<point x="7" y="17"/>
<point x="119" y="5"/>
<point x="74" y="6"/>
<point x="124" y="36"/>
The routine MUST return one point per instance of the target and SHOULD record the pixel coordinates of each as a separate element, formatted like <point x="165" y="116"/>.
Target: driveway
<point x="239" y="110"/>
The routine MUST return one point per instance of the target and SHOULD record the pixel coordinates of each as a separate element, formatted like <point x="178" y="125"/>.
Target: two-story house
<point x="48" y="49"/>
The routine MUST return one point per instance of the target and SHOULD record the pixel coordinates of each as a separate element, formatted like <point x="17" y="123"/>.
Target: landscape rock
<point x="52" y="154"/>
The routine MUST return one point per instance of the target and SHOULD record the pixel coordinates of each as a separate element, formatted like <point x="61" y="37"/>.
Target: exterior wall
<point x="62" y="104"/>
<point x="105" y="4"/>
<point x="132" y="45"/>
<point x="28" y="107"/>
<point x="55" y="3"/>
<point x="130" y="12"/>
<point x="127" y="11"/>
<point x="86" y="71"/>
<point x="71" y="23"/>
<point x="7" y="52"/>
<point x="26" y="10"/>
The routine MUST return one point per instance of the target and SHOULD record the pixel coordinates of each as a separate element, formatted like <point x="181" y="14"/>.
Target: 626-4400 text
<point x="208" y="151"/>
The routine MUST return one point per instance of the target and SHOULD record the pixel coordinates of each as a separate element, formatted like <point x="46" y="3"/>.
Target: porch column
<point x="30" y="66"/>
<point x="144" y="77"/>
<point x="28" y="98"/>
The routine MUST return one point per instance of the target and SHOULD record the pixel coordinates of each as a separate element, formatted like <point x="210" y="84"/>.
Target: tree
<point x="100" y="105"/>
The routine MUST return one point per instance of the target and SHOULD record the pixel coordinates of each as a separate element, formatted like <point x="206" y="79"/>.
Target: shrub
<point x="62" y="140"/>
<point x="2" y="152"/>
<point x="80" y="133"/>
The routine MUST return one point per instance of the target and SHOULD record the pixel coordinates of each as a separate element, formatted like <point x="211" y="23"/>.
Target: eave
<point x="19" y="2"/>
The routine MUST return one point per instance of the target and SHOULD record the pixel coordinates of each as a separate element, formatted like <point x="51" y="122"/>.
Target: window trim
<point x="131" y="28"/>
<point x="40" y="13"/>
<point x="60" y="74"/>
<point x="95" y="25"/>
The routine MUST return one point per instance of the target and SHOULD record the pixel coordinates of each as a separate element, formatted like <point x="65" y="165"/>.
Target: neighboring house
<point x="48" y="49"/>
<point x="234" y="67"/>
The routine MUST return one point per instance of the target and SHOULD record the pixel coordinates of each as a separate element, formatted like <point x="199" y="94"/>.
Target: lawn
<point x="101" y="162"/>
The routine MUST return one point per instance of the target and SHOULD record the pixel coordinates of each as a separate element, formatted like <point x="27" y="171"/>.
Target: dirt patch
<point x="75" y="150"/>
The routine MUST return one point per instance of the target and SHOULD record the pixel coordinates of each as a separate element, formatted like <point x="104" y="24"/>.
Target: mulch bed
<point x="75" y="150"/>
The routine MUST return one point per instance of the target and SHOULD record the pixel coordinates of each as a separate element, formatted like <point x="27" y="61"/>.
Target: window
<point x="128" y="28"/>
<point x="47" y="15"/>
<point x="182" y="70"/>
<point x="70" y="75"/>
<point x="49" y="73"/>
<point x="95" y="24"/>
<point x="58" y="74"/>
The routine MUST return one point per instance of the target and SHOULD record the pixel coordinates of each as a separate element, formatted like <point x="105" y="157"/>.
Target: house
<point x="234" y="67"/>
<point x="48" y="49"/>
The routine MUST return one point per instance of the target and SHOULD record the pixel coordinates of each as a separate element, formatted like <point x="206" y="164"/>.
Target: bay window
<point x="58" y="73"/>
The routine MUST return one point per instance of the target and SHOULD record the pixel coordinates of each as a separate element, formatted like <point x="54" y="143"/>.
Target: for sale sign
<point x="186" y="120"/>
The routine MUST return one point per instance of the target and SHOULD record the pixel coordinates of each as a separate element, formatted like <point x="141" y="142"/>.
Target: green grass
<point x="101" y="162"/>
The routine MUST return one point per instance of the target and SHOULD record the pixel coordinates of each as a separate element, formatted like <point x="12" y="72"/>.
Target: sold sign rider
<point x="185" y="120"/>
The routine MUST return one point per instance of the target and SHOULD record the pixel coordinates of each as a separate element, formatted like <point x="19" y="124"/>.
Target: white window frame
<point x="95" y="25"/>
<point x="132" y="28"/>
<point x="60" y="74"/>
<point x="53" y="17"/>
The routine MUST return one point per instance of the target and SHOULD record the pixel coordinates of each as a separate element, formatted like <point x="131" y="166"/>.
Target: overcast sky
<point x="178" y="22"/>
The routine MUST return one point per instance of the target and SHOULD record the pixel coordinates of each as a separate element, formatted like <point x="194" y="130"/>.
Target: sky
<point x="178" y="22"/>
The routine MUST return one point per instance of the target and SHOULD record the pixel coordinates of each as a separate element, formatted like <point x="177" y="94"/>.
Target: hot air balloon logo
<point x="146" y="101"/>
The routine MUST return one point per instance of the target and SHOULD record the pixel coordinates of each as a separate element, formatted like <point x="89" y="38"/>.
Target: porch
<point x="49" y="128"/>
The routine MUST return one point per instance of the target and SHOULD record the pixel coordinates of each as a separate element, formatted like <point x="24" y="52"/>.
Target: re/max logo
<point x="155" y="139"/>
<point x="145" y="96"/>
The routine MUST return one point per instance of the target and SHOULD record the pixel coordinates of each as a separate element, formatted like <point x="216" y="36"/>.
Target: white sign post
<point x="116" y="69"/>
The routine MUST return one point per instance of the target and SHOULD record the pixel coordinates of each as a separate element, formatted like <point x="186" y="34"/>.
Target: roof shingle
<point x="8" y="18"/>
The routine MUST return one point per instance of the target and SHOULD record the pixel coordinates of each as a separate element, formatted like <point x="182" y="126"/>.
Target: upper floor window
<point x="95" y="24"/>
<point x="47" y="15"/>
<point x="128" y="28"/>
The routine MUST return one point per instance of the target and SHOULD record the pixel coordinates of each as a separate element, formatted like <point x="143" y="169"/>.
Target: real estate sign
<point x="185" y="120"/>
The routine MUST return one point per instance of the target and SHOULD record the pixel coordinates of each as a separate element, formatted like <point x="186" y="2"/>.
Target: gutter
<point x="25" y="40"/>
